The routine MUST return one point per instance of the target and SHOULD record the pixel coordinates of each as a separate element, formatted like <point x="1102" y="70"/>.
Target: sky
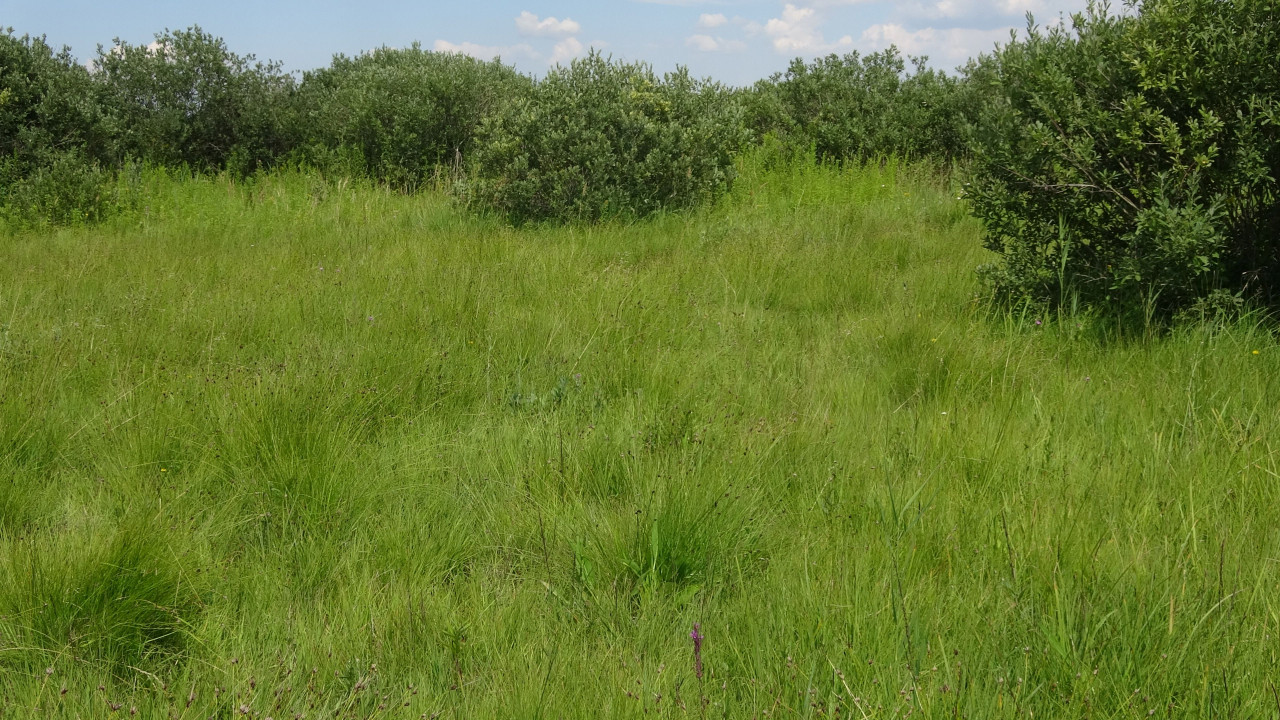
<point x="734" y="41"/>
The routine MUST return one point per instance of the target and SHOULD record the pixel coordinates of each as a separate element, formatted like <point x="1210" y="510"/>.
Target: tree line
<point x="1118" y="160"/>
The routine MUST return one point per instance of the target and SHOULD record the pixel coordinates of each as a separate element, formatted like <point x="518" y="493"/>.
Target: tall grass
<point x="303" y="447"/>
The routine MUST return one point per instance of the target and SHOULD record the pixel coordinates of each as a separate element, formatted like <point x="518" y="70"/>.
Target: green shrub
<point x="604" y="139"/>
<point x="65" y="189"/>
<point x="187" y="99"/>
<point x="1131" y="160"/>
<point x="51" y="135"/>
<point x="398" y="115"/>
<point x="858" y="107"/>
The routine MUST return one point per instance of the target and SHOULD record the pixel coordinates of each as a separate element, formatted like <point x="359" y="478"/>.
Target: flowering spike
<point x="696" y="636"/>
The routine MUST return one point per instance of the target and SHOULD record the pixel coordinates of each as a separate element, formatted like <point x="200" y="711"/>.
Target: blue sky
<point x="736" y="41"/>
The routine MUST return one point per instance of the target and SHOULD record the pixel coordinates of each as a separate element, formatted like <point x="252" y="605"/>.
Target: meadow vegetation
<point x="415" y="387"/>
<point x="298" y="446"/>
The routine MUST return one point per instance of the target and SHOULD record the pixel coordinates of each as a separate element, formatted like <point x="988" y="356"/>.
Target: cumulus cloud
<point x="486" y="52"/>
<point x="566" y="50"/>
<point x="707" y="20"/>
<point x="952" y="32"/>
<point x="531" y="25"/>
<point x="706" y="43"/>
<point x="980" y="11"/>
<point x="951" y="46"/>
<point x="799" y="31"/>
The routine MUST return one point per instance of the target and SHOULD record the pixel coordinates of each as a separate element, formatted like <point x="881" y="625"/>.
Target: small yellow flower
<point x="163" y="470"/>
<point x="1257" y="352"/>
<point x="934" y="340"/>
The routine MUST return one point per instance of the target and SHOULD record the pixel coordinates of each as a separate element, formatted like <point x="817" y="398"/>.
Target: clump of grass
<point x="685" y="534"/>
<point x="116" y="597"/>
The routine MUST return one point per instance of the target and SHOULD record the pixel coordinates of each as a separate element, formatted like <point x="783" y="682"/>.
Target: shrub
<point x="399" y="115"/>
<point x="51" y="135"/>
<point x="187" y="99"/>
<point x="857" y="107"/>
<point x="1131" y="160"/>
<point x="66" y="188"/>
<point x="604" y="139"/>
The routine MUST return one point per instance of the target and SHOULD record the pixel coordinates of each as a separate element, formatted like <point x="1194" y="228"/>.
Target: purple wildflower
<point x="696" y="636"/>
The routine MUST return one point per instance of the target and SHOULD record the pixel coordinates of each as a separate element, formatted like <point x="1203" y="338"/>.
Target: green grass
<point x="306" y="447"/>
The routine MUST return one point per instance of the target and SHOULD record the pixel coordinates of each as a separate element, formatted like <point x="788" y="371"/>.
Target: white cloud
<point x="566" y="50"/>
<point x="1020" y="7"/>
<point x="947" y="47"/>
<point x="486" y="52"/>
<point x="529" y="24"/>
<point x="707" y="20"/>
<point x="706" y="43"/>
<point x="988" y="11"/>
<point x="799" y="31"/>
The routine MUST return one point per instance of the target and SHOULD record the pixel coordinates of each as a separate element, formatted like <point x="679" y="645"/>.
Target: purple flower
<point x="696" y="636"/>
<point x="1037" y="322"/>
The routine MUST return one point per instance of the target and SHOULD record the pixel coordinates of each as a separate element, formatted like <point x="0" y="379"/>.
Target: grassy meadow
<point x="296" y="448"/>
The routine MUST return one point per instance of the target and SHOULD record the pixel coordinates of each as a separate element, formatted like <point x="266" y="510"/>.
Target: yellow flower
<point x="1257" y="352"/>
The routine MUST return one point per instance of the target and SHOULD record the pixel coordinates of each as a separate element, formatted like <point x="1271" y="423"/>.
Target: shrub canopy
<point x="51" y="134"/>
<point x="1131" y="159"/>
<point x="857" y="107"/>
<point x="399" y="114"/>
<point x="602" y="139"/>
<point x="187" y="99"/>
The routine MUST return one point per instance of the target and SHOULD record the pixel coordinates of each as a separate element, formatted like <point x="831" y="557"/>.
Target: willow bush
<point x="52" y="136"/>
<point x="857" y="107"/>
<point x="186" y="99"/>
<point x="601" y="139"/>
<point x="1129" y="161"/>
<point x="398" y="115"/>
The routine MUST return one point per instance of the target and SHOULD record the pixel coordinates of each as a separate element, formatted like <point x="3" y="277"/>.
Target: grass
<point x="298" y="447"/>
